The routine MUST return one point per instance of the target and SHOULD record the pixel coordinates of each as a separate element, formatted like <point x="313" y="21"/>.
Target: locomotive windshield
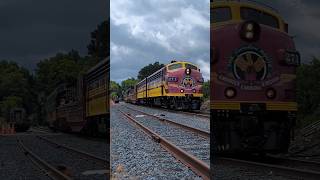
<point x="174" y="66"/>
<point x="259" y="16"/>
<point x="190" y="66"/>
<point x="221" y="14"/>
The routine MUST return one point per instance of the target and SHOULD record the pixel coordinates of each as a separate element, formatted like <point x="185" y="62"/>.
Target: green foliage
<point x="114" y="88"/>
<point x="128" y="83"/>
<point x="308" y="91"/>
<point x="100" y="40"/>
<point x="62" y="68"/>
<point x="9" y="103"/>
<point x="149" y="69"/>
<point x="19" y="88"/>
<point x="206" y="90"/>
<point x="16" y="85"/>
<point x="113" y="95"/>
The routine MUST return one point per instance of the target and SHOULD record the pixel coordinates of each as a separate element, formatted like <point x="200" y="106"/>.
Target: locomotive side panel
<point x="97" y="99"/>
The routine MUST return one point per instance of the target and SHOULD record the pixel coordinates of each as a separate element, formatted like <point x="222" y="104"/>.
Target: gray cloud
<point x="145" y="31"/>
<point x="33" y="30"/>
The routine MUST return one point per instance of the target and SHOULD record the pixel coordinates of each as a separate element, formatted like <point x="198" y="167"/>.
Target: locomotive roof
<point x="181" y="62"/>
<point x="165" y="67"/>
<point x="249" y="4"/>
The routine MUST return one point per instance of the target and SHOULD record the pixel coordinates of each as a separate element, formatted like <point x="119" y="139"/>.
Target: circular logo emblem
<point x="250" y="64"/>
<point x="187" y="82"/>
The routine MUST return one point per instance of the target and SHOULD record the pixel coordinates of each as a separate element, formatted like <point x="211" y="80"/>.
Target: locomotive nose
<point x="250" y="31"/>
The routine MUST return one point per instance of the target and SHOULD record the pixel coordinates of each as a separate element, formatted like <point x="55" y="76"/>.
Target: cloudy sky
<point x="145" y="31"/>
<point x="33" y="30"/>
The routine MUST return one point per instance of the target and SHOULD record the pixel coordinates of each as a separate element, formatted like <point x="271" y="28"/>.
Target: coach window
<point x="259" y="16"/>
<point x="220" y="14"/>
<point x="175" y="66"/>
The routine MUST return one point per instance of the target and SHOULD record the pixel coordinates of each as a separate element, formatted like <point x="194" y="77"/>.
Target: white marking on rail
<point x="141" y="115"/>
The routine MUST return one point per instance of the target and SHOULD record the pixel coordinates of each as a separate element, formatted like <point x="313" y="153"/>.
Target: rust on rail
<point x="50" y="170"/>
<point x="196" y="165"/>
<point x="195" y="130"/>
<point x="98" y="159"/>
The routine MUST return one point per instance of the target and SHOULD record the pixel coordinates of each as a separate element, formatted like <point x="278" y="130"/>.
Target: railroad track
<point x="48" y="169"/>
<point x="76" y="157"/>
<point x="73" y="150"/>
<point x="41" y="130"/>
<point x="279" y="165"/>
<point x="189" y="145"/>
<point x="189" y="128"/>
<point x="202" y="115"/>
<point x="46" y="130"/>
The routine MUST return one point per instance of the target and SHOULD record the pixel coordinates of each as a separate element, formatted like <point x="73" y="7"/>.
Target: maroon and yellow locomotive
<point x="178" y="85"/>
<point x="253" y="66"/>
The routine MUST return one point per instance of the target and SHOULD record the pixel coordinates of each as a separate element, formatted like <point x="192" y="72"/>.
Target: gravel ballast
<point x="135" y="155"/>
<point x="14" y="165"/>
<point x="192" y="121"/>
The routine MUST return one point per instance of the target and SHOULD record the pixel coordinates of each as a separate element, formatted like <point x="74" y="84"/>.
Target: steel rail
<point x="196" y="165"/>
<point x="189" y="128"/>
<point x="310" y="165"/>
<point x="206" y="116"/>
<point x="301" y="173"/>
<point x="96" y="158"/>
<point x="52" y="172"/>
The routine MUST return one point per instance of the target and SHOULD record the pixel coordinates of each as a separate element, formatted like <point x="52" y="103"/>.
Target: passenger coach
<point x="82" y="106"/>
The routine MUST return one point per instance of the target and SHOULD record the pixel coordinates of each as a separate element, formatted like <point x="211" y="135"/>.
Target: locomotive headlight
<point x="250" y="31"/>
<point x="181" y="90"/>
<point x="271" y="93"/>
<point x="194" y="91"/>
<point x="249" y="35"/>
<point x="230" y="92"/>
<point x="188" y="71"/>
<point x="249" y="27"/>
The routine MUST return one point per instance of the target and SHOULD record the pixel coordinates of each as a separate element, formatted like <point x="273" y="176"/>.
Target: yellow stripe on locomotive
<point x="270" y="106"/>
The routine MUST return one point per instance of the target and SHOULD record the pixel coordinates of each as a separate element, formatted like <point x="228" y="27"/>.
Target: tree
<point x="308" y="87"/>
<point x="206" y="90"/>
<point x="128" y="83"/>
<point x="100" y="41"/>
<point x="62" y="68"/>
<point x="115" y="88"/>
<point x="16" y="88"/>
<point x="149" y="69"/>
<point x="8" y="103"/>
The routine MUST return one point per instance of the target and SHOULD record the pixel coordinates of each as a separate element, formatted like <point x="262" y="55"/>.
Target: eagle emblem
<point x="187" y="82"/>
<point x="250" y="66"/>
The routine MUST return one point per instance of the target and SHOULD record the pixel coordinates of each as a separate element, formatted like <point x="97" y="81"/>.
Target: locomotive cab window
<point x="174" y="66"/>
<point x="220" y="14"/>
<point x="190" y="66"/>
<point x="259" y="17"/>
